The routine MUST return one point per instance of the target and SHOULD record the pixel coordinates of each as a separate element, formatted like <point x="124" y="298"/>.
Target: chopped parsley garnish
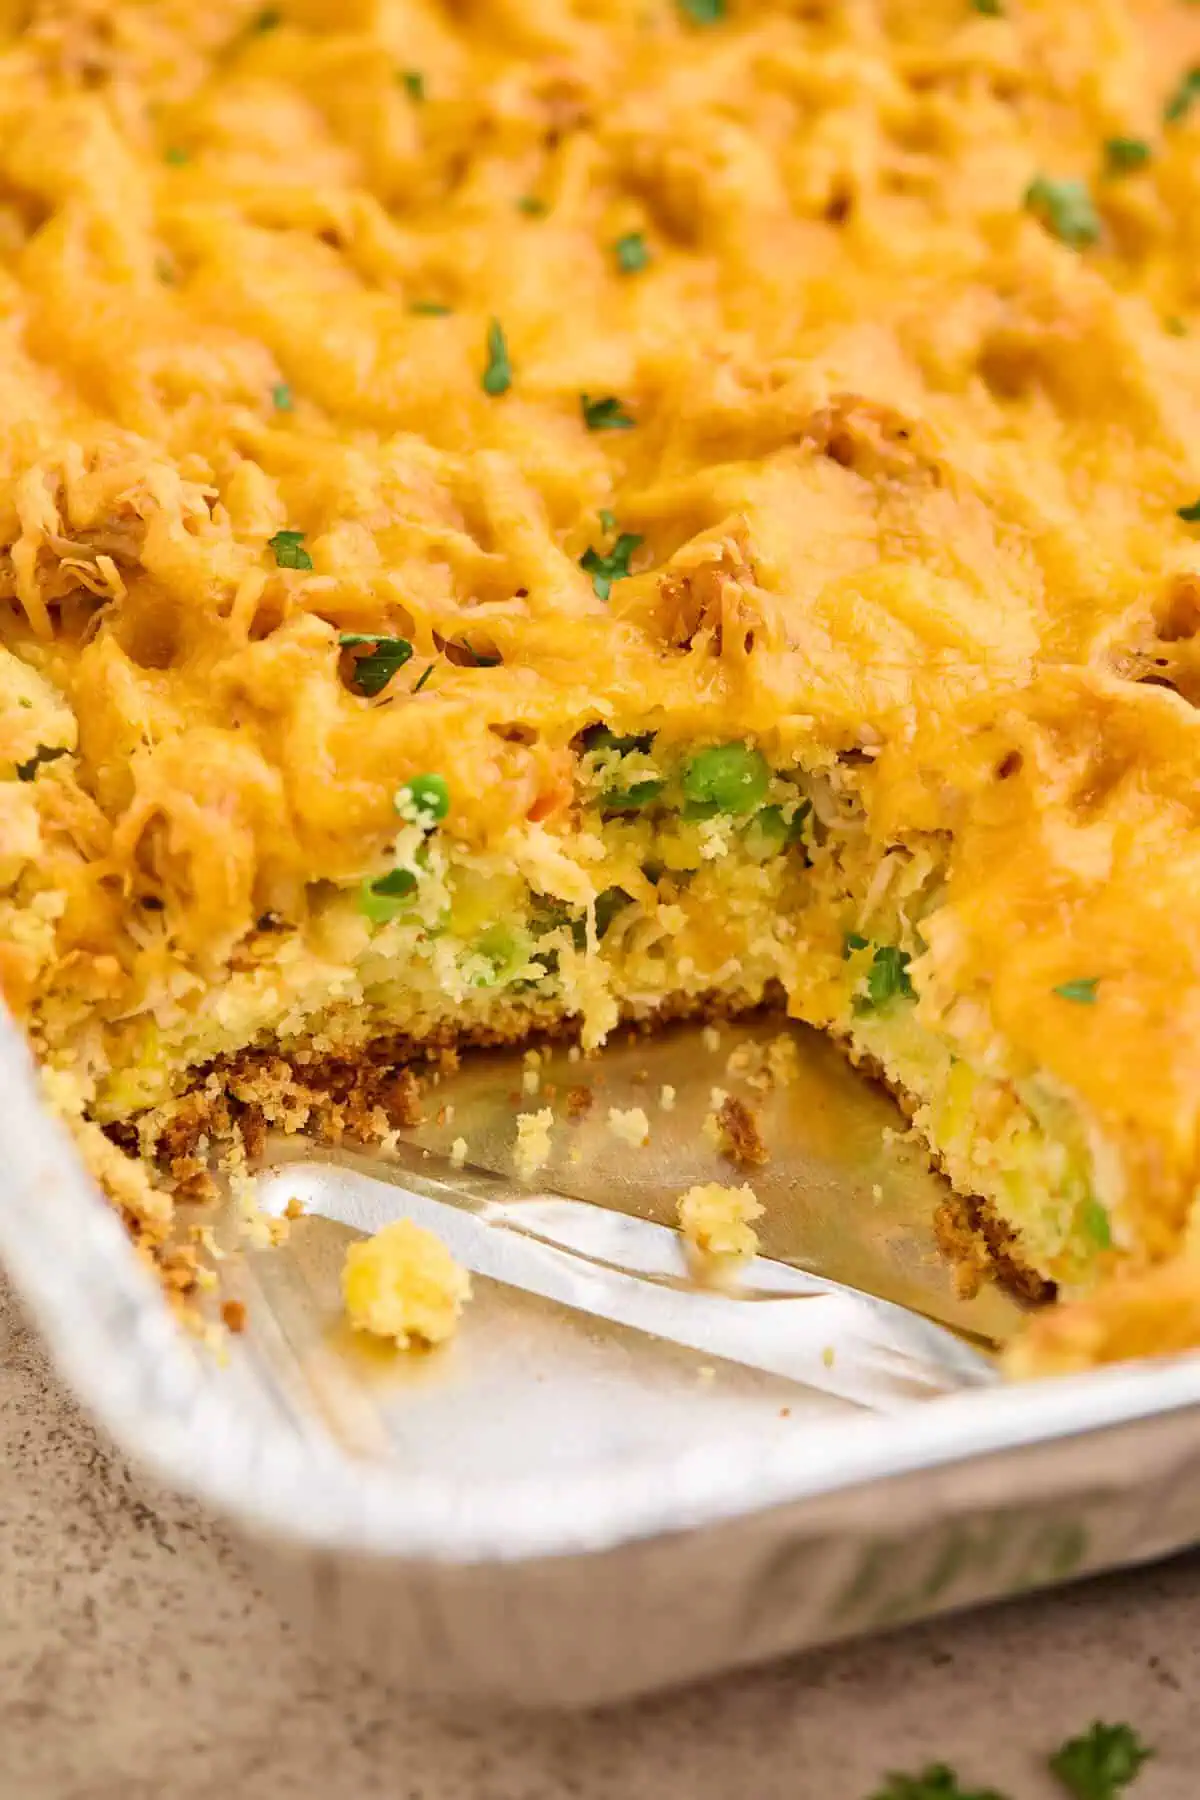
<point x="604" y="570"/>
<point x="1122" y="155"/>
<point x="289" y="550"/>
<point x="605" y="415"/>
<point x="164" y="268"/>
<point x="424" y="677"/>
<point x="608" y="520"/>
<point x="373" y="671"/>
<point x="938" y="1782"/>
<point x="991" y="9"/>
<point x="497" y="377"/>
<point x="1100" y="1762"/>
<point x="703" y="12"/>
<point x="429" y="309"/>
<point x="413" y="83"/>
<point x="632" y="253"/>
<point x="887" y="979"/>
<point x="45" y="753"/>
<point x="1176" y="326"/>
<point x="174" y="155"/>
<point x="1189" y="513"/>
<point x="267" y="19"/>
<point x="1183" y="98"/>
<point x="532" y="206"/>
<point x="281" y="397"/>
<point x="853" y="940"/>
<point x="1082" y="991"/>
<point x="1066" y="209"/>
<point x="1095" y="1222"/>
<point x="478" y="659"/>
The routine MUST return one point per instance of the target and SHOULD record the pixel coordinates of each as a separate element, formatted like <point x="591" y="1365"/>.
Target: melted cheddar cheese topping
<point x="819" y="375"/>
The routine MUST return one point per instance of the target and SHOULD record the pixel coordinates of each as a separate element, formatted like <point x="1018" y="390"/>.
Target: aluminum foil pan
<point x="614" y="1479"/>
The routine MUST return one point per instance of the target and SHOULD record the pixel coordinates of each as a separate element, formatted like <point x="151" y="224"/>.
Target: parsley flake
<point x="604" y="570"/>
<point x="281" y="397"/>
<point x="267" y="20"/>
<point x="1095" y="1223"/>
<point x="605" y="415"/>
<point x="176" y="156"/>
<point x="1066" y="209"/>
<point x="478" y="659"/>
<point x="703" y="12"/>
<point x="45" y="753"/>
<point x="387" y="654"/>
<point x="991" y="9"/>
<point x="853" y="940"/>
<point x="497" y="377"/>
<point x="1183" y="98"/>
<point x="289" y="550"/>
<point x="413" y="83"/>
<point x="532" y="206"/>
<point x="429" y="309"/>
<point x="1101" y="1761"/>
<point x="608" y="520"/>
<point x="1189" y="513"/>
<point x="887" y="978"/>
<point x="938" y="1782"/>
<point x="424" y="677"/>
<point x="632" y="253"/>
<point x="1082" y="992"/>
<point x="1122" y="155"/>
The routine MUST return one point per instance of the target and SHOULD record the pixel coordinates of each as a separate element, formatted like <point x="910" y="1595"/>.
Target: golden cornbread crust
<point x="512" y="514"/>
<point x="356" y="1097"/>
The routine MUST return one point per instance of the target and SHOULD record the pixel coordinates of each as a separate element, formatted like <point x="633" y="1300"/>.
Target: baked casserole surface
<point x="521" y="514"/>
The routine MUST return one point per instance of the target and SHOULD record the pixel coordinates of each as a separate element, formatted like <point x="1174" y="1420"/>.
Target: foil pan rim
<point x="169" y="1405"/>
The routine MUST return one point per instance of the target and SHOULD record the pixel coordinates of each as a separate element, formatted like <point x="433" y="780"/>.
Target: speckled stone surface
<point x="137" y="1662"/>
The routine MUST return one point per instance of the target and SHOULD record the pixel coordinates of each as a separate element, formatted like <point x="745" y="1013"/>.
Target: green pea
<point x="380" y="900"/>
<point x="429" y="797"/>
<point x="632" y="798"/>
<point x="505" y="949"/>
<point x="726" y="778"/>
<point x="766" y="834"/>
<point x="770" y="831"/>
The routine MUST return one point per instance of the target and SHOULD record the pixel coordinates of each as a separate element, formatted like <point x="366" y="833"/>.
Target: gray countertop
<point x="137" y="1661"/>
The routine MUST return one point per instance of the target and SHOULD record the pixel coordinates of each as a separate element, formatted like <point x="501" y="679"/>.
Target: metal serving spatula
<point x="850" y="1298"/>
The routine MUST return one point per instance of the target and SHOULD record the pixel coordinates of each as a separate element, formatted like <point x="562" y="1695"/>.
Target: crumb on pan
<point x="532" y="1149"/>
<point x="739" y="1136"/>
<point x="630" y="1124"/>
<point x="579" y="1102"/>
<point x="716" y="1221"/>
<point x="403" y="1284"/>
<point x="765" y="1066"/>
<point x="233" y="1315"/>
